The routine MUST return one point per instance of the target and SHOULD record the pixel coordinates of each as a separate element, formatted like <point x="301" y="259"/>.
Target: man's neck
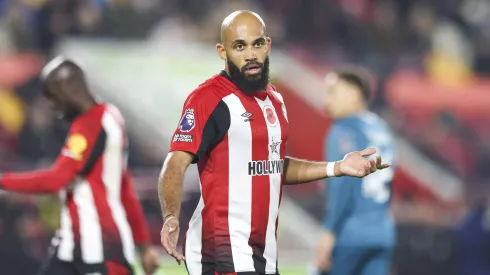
<point x="87" y="104"/>
<point x="225" y="74"/>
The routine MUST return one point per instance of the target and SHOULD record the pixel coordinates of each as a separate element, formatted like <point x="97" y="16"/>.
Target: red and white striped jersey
<point x="238" y="141"/>
<point x="101" y="218"/>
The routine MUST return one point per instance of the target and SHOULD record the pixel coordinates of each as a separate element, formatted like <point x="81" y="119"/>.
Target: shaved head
<point x="245" y="49"/>
<point x="241" y="21"/>
<point x="65" y="86"/>
<point x="61" y="69"/>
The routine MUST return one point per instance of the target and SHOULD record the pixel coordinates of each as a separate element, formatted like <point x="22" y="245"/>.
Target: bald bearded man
<point x="235" y="127"/>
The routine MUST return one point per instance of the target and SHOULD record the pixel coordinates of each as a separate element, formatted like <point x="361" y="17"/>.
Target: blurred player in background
<point x="101" y="217"/>
<point x="359" y="231"/>
<point x="234" y="126"/>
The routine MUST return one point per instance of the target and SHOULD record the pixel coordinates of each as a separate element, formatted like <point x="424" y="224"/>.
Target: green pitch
<point x="169" y="268"/>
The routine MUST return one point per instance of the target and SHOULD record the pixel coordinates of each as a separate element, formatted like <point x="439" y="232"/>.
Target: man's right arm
<point x="204" y="122"/>
<point x="171" y="181"/>
<point x="83" y="146"/>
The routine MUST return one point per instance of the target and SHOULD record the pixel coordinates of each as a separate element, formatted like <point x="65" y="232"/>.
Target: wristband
<point x="166" y="220"/>
<point x="331" y="169"/>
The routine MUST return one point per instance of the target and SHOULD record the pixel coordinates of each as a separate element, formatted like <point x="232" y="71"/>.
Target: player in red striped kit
<point x="101" y="218"/>
<point x="235" y="127"/>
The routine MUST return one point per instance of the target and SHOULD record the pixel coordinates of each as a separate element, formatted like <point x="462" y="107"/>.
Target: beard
<point x="246" y="83"/>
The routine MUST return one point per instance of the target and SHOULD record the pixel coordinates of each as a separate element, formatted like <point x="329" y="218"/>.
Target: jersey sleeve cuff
<point x="193" y="152"/>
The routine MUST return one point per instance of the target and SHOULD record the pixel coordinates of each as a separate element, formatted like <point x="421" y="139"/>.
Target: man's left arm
<point x="150" y="259"/>
<point x="298" y="171"/>
<point x="354" y="164"/>
<point x="134" y="212"/>
<point x="85" y="143"/>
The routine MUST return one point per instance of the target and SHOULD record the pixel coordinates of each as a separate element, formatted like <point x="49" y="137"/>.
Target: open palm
<point x="356" y="164"/>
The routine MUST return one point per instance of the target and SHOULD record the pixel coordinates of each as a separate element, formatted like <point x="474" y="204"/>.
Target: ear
<point x="221" y="51"/>
<point x="268" y="42"/>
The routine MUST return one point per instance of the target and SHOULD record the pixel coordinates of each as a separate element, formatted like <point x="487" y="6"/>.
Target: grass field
<point x="169" y="268"/>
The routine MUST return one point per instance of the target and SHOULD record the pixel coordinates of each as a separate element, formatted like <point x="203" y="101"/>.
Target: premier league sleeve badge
<point x="187" y="122"/>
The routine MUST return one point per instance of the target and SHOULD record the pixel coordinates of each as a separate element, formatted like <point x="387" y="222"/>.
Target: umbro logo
<point x="247" y="116"/>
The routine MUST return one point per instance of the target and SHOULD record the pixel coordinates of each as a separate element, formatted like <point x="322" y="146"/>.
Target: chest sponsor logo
<point x="187" y="122"/>
<point x="183" y="138"/>
<point x="270" y="116"/>
<point x="265" y="167"/>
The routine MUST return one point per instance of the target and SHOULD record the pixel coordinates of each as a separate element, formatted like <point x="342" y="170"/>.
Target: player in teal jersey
<point x="359" y="234"/>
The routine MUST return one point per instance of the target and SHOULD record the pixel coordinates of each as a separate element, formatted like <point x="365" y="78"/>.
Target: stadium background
<point x="432" y="59"/>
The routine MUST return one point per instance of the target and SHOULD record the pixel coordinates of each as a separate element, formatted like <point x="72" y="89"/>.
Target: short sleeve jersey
<point x="238" y="142"/>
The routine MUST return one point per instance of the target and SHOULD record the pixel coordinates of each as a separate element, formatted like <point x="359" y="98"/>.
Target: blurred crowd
<point x="447" y="41"/>
<point x="378" y="33"/>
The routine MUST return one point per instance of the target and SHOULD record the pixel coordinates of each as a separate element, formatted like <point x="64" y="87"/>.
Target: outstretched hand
<point x="355" y="164"/>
